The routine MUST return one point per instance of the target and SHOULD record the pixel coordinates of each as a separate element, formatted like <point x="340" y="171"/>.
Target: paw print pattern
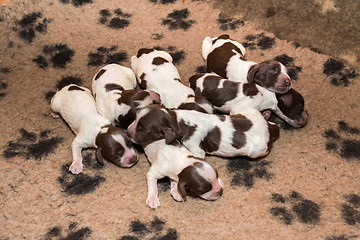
<point x="351" y="209"/>
<point x="82" y="183"/>
<point x="246" y="172"/>
<point x="3" y="85"/>
<point x="340" y="75"/>
<point x="31" y="145"/>
<point x="177" y="55"/>
<point x="55" y="233"/>
<point x="153" y="230"/>
<point x="260" y="40"/>
<point x="341" y="237"/>
<point x="105" y="55"/>
<point x="119" y="21"/>
<point x="59" y="55"/>
<point x="229" y="23"/>
<point x="201" y="69"/>
<point x="294" y="206"/>
<point x="31" y="24"/>
<point x="76" y="3"/>
<point x="289" y="64"/>
<point x="342" y="141"/>
<point x="163" y="1"/>
<point x="63" y="82"/>
<point x="178" y="20"/>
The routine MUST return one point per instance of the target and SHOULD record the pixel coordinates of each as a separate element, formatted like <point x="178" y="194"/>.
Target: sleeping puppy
<point x="246" y="134"/>
<point x="226" y="58"/>
<point x="232" y="97"/>
<point x="113" y="87"/>
<point x="77" y="107"/>
<point x="155" y="71"/>
<point x="188" y="175"/>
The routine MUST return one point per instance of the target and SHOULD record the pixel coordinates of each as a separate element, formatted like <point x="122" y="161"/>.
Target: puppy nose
<point x="133" y="159"/>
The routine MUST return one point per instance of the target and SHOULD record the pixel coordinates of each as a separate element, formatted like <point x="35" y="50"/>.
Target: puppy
<point x="77" y="107"/>
<point x="247" y="134"/>
<point x="226" y="58"/>
<point x="155" y="71"/>
<point x="188" y="175"/>
<point x="113" y="87"/>
<point x="232" y="97"/>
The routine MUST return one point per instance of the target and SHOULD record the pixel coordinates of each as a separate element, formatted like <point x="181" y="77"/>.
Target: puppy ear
<point x="99" y="156"/>
<point x="286" y="100"/>
<point x="252" y="73"/>
<point x="182" y="188"/>
<point x="169" y="134"/>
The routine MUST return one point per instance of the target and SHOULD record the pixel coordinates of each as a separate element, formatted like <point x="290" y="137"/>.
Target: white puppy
<point x="188" y="175"/>
<point x="77" y="107"/>
<point x="155" y="71"/>
<point x="113" y="87"/>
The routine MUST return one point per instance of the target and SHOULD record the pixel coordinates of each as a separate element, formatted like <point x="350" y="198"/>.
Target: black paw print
<point x="31" y="145"/>
<point x="56" y="233"/>
<point x="31" y="24"/>
<point x="341" y="237"/>
<point x="3" y="85"/>
<point x="306" y="211"/>
<point x="201" y="69"/>
<point x="119" y="21"/>
<point x="246" y="172"/>
<point x="76" y="3"/>
<point x="163" y="1"/>
<point x="59" y="54"/>
<point x="82" y="183"/>
<point x="340" y="75"/>
<point x="351" y="209"/>
<point x="260" y="40"/>
<point x="105" y="55"/>
<point x="288" y="62"/>
<point x="229" y="23"/>
<point x="346" y="146"/>
<point x="177" y="55"/>
<point x="154" y="230"/>
<point x="178" y="20"/>
<point x="62" y="83"/>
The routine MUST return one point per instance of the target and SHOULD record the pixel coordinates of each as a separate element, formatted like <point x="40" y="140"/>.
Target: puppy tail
<point x="206" y="45"/>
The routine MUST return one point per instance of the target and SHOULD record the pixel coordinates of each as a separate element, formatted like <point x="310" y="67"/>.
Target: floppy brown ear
<point x="169" y="134"/>
<point x="99" y="156"/>
<point x="287" y="100"/>
<point x="182" y="188"/>
<point x="252" y="73"/>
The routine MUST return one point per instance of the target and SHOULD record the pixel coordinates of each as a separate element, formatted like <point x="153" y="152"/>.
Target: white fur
<point x="78" y="109"/>
<point x="208" y="46"/>
<point x="161" y="78"/>
<point x="106" y="101"/>
<point x="169" y="161"/>
<point x="257" y="136"/>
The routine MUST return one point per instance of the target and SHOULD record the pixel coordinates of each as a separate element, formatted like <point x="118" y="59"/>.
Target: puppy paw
<point x="55" y="115"/>
<point x="153" y="202"/>
<point x="266" y="114"/>
<point x="76" y="167"/>
<point x="176" y="195"/>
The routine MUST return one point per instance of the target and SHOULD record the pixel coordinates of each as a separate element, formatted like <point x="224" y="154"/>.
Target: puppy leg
<point x="76" y="167"/>
<point x="174" y="192"/>
<point x="152" y="199"/>
<point x="55" y="115"/>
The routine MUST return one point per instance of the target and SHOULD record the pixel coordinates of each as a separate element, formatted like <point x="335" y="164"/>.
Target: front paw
<point x="55" y="115"/>
<point x="153" y="202"/>
<point x="76" y="167"/>
<point x="176" y="195"/>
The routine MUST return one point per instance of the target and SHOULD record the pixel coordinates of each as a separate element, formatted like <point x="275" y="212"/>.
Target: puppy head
<point x="153" y="123"/>
<point x="114" y="145"/>
<point x="271" y="75"/>
<point x="200" y="180"/>
<point x="291" y="107"/>
<point x="135" y="99"/>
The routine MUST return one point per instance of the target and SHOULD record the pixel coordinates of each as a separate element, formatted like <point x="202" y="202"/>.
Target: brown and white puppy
<point x="226" y="58"/>
<point x="113" y="87"/>
<point x="155" y="71"/>
<point x="246" y="134"/>
<point x="232" y="97"/>
<point x="77" y="107"/>
<point x="188" y="175"/>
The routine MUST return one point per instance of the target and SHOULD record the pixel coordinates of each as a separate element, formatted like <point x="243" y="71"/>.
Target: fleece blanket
<point x="306" y="188"/>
